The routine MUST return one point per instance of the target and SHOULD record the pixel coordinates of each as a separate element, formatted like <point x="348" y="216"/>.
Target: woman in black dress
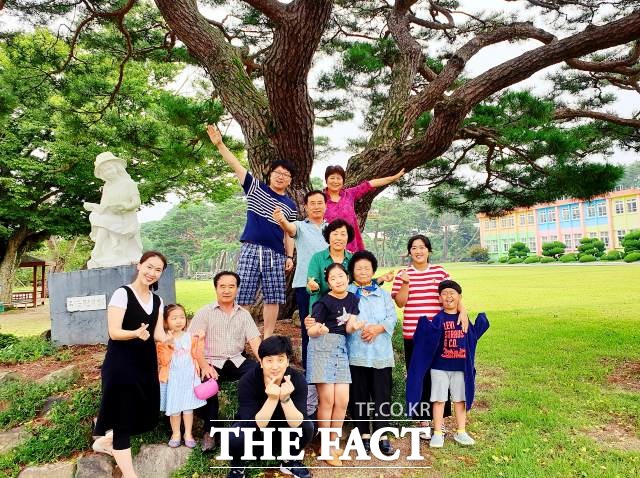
<point x="130" y="386"/>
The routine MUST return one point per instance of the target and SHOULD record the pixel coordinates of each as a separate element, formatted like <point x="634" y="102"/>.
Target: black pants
<point x="426" y="387"/>
<point x="236" y="444"/>
<point x="370" y="397"/>
<point x="302" y="300"/>
<point x="228" y="373"/>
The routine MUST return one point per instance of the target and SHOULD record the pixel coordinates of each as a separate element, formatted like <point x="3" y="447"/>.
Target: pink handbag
<point x="206" y="389"/>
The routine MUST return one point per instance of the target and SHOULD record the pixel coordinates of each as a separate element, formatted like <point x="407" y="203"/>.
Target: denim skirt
<point x="327" y="359"/>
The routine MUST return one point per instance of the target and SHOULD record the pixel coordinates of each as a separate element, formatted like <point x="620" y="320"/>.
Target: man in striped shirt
<point x="266" y="252"/>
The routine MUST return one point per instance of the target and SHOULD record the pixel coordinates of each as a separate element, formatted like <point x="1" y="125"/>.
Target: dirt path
<point x="29" y="321"/>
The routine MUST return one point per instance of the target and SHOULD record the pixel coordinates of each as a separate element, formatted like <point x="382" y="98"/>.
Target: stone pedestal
<point x="72" y="295"/>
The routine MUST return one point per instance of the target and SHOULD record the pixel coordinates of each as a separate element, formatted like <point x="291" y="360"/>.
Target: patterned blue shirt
<point x="376" y="308"/>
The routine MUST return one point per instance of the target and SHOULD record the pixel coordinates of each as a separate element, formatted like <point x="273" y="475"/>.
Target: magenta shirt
<point x="345" y="209"/>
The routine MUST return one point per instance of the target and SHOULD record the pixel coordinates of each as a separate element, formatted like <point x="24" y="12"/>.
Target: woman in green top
<point x="338" y="234"/>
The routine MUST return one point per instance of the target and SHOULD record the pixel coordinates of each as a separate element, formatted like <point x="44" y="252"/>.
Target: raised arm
<point x="379" y="182"/>
<point x="228" y="156"/>
<point x="288" y="227"/>
<point x="402" y="295"/>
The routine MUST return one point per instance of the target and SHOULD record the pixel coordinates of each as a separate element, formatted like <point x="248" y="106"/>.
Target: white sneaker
<point x="437" y="440"/>
<point x="464" y="439"/>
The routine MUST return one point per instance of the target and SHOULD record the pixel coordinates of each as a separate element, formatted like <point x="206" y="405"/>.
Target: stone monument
<point x="78" y="300"/>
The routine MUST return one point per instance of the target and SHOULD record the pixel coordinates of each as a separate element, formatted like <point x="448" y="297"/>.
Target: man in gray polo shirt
<point x="309" y="240"/>
<point x="227" y="328"/>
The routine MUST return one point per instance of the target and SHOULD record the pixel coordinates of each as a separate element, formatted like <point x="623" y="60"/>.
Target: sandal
<point x="99" y="446"/>
<point x="189" y="443"/>
<point x="174" y="443"/>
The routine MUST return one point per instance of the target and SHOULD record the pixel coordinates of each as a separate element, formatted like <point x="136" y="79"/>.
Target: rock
<point x="12" y="438"/>
<point x="295" y="318"/>
<point x="70" y="372"/>
<point x="51" y="401"/>
<point x="94" y="466"/>
<point x="159" y="461"/>
<point x="7" y="376"/>
<point x="46" y="334"/>
<point x="63" y="469"/>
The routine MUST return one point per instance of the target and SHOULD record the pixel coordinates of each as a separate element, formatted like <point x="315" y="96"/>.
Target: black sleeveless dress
<point x="130" y="386"/>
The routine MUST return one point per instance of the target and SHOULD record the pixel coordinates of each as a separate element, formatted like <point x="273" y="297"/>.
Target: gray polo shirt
<point x="309" y="240"/>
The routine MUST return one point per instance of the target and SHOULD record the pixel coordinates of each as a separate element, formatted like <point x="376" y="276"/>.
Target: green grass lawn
<point x="556" y="334"/>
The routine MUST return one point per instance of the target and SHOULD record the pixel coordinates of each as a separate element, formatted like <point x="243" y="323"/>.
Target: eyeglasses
<point x="282" y="174"/>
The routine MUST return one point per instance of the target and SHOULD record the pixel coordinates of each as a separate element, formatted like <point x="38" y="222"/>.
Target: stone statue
<point x="114" y="222"/>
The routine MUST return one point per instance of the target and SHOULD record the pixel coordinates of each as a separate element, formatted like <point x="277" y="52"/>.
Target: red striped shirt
<point x="423" y="295"/>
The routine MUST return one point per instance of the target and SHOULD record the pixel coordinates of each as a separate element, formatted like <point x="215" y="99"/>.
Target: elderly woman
<point x="370" y="351"/>
<point x="341" y="201"/>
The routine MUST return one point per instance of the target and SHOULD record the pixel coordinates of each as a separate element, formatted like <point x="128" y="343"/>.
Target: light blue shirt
<point x="309" y="240"/>
<point x="377" y="308"/>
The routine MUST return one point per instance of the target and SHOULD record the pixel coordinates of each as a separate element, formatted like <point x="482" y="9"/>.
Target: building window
<point x="493" y="223"/>
<point x="620" y="233"/>
<point x="593" y="234"/>
<point x="632" y="205"/>
<point x="567" y="241"/>
<point x="551" y="215"/>
<point x="523" y="219"/>
<point x="591" y="211"/>
<point x="486" y="223"/>
<point x="575" y="212"/>
<point x="542" y="218"/>
<point x="564" y="212"/>
<point x="530" y="218"/>
<point x="492" y="246"/>
<point x="602" y="209"/>
<point x="604" y="237"/>
<point x="543" y="239"/>
<point x="532" y="244"/>
<point x="619" y="207"/>
<point x="576" y="240"/>
<point x="505" y="247"/>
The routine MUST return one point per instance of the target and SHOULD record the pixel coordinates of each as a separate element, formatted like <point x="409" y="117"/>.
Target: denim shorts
<point x="327" y="359"/>
<point x="445" y="381"/>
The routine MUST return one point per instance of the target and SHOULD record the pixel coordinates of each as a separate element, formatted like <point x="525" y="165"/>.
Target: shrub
<point x="587" y="258"/>
<point x="631" y="242"/>
<point x="503" y="259"/>
<point x="7" y="339"/>
<point x="478" y="254"/>
<point x="491" y="261"/>
<point x="632" y="257"/>
<point x="611" y="256"/>
<point x="591" y="246"/>
<point x="553" y="249"/>
<point x="515" y="260"/>
<point x="519" y="249"/>
<point x="26" y="349"/>
<point x="532" y="260"/>
<point x="571" y="257"/>
<point x="546" y="260"/>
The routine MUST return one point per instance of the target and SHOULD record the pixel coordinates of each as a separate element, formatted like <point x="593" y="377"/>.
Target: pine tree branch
<point x="570" y="114"/>
<point x="273" y="9"/>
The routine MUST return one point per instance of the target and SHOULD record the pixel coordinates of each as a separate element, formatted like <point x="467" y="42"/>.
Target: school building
<point x="608" y="217"/>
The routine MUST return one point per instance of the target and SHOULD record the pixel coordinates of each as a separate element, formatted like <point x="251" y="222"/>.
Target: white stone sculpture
<point x="114" y="222"/>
